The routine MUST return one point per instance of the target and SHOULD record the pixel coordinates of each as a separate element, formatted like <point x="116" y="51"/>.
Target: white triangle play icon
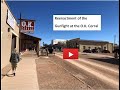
<point x="70" y="54"/>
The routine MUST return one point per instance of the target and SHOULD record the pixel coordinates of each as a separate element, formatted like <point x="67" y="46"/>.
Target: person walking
<point x="14" y="59"/>
<point x="46" y="51"/>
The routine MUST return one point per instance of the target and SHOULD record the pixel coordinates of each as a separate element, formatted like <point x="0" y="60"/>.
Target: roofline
<point x="61" y="39"/>
<point x="27" y="19"/>
<point x="95" y="41"/>
<point x="10" y="10"/>
<point x="13" y="14"/>
<point x="31" y="36"/>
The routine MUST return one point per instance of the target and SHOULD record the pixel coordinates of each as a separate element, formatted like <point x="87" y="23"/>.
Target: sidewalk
<point x="26" y="75"/>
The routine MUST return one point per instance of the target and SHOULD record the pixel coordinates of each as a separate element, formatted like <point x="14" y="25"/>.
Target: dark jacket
<point x="15" y="58"/>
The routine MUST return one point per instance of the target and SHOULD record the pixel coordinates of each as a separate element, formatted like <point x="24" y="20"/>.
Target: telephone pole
<point x="114" y="41"/>
<point x="20" y="34"/>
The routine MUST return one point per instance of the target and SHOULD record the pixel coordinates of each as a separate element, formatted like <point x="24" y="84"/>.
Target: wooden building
<point x="29" y="42"/>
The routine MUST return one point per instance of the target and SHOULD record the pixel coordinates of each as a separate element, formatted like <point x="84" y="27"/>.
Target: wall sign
<point x="10" y="20"/>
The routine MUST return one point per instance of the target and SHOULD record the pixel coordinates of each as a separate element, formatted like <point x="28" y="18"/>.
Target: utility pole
<point x="114" y="41"/>
<point x="43" y="44"/>
<point x="20" y="34"/>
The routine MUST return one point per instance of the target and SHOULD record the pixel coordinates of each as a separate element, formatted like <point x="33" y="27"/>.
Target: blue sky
<point x="43" y="13"/>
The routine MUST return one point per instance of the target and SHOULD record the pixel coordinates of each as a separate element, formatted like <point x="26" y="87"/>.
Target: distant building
<point x="56" y="41"/>
<point x="89" y="44"/>
<point x="58" y="44"/>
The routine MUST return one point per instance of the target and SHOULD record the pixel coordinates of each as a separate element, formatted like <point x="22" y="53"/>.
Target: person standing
<point x="14" y="59"/>
<point x="46" y="51"/>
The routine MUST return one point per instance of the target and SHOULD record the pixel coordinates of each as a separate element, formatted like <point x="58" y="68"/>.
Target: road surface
<point x="98" y="71"/>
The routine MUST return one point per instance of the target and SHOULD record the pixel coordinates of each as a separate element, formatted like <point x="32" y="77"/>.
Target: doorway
<point x="13" y="42"/>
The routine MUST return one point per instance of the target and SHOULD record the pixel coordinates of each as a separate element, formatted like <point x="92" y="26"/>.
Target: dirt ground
<point x="52" y="76"/>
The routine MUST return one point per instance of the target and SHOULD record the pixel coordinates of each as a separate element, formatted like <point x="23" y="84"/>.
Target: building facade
<point x="29" y="42"/>
<point x="89" y="44"/>
<point x="9" y="36"/>
<point x="56" y="41"/>
<point x="12" y="38"/>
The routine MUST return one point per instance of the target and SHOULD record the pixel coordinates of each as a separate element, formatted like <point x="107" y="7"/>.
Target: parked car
<point x="105" y="51"/>
<point x="94" y="51"/>
<point x="87" y="51"/>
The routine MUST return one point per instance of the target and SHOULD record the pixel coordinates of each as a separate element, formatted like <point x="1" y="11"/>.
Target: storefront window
<point x="84" y="47"/>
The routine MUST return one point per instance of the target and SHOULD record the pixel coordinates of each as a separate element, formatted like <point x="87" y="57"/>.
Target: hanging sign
<point x="27" y="26"/>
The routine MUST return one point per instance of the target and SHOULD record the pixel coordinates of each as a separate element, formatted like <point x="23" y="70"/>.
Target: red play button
<point x="69" y="53"/>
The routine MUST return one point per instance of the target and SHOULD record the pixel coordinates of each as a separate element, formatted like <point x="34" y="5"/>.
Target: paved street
<point x="97" y="73"/>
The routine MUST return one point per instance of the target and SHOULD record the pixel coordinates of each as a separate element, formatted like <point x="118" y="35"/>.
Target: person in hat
<point x="14" y="59"/>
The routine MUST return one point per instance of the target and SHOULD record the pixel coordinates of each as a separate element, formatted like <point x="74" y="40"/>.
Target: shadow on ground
<point x="107" y="60"/>
<point x="9" y="75"/>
